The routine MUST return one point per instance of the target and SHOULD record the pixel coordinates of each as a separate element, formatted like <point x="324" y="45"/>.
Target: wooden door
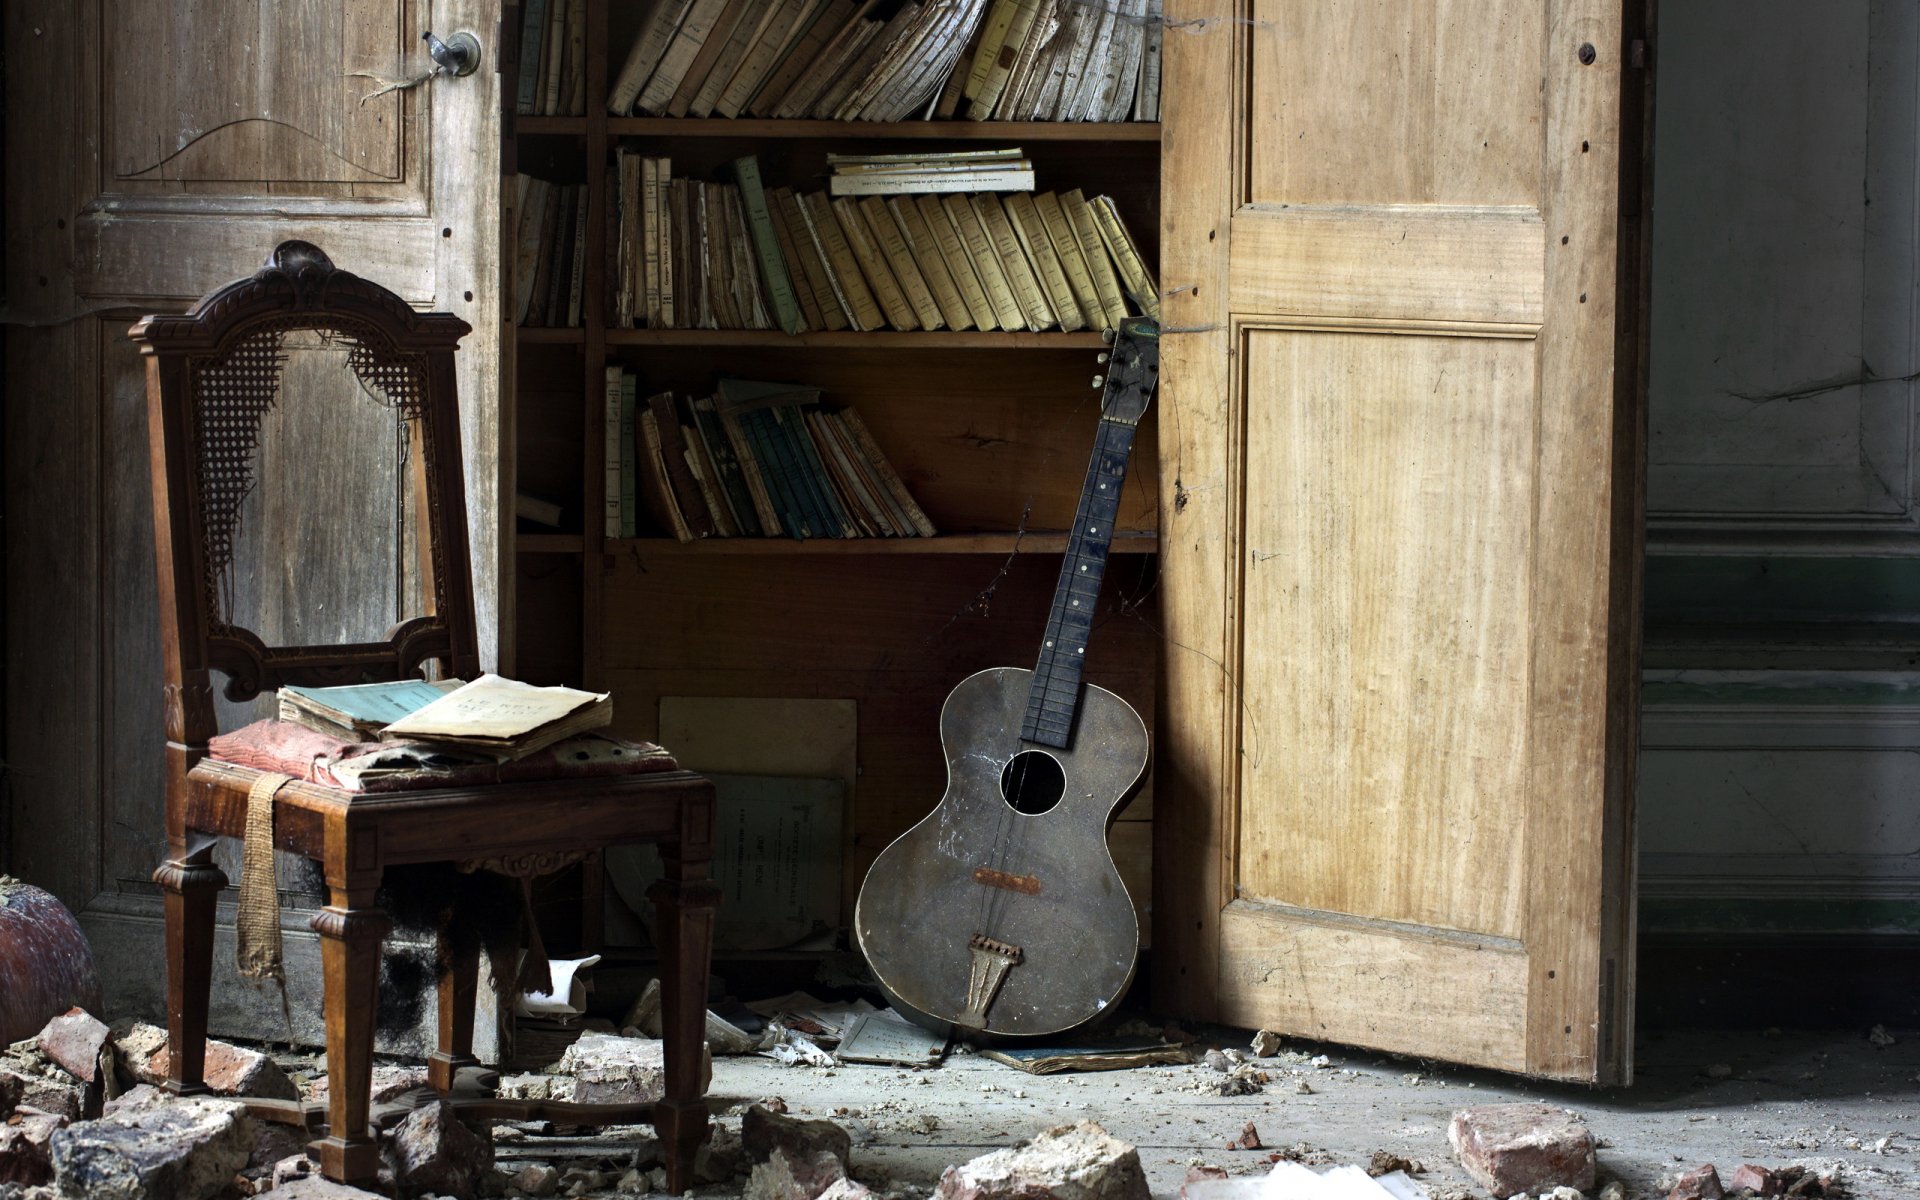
<point x="1401" y="444"/>
<point x="154" y="151"/>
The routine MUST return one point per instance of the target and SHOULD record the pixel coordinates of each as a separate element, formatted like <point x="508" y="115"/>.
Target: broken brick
<point x="609" y="1069"/>
<point x="1249" y="1139"/>
<point x="1531" y="1148"/>
<point x="431" y="1151"/>
<point x="1701" y="1183"/>
<point x="1756" y="1179"/>
<point x="762" y="1131"/>
<point x="228" y="1069"/>
<point x="189" y="1149"/>
<point x="74" y="1039"/>
<point x="789" y="1176"/>
<point x="1069" y="1162"/>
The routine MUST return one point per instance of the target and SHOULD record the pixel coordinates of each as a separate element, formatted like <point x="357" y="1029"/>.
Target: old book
<point x="611" y="422"/>
<point x="1002" y="34"/>
<point x="658" y="22"/>
<point x="873" y="266"/>
<point x="827" y="312"/>
<point x="916" y="90"/>
<point x="715" y="263"/>
<point x="861" y="70"/>
<point x="1046" y="264"/>
<point x="1129" y="39"/>
<point x="687" y="495"/>
<point x="834" y="68"/>
<point x="663" y="237"/>
<point x="1016" y="94"/>
<point x="912" y="49"/>
<point x="1135" y="275"/>
<point x="1035" y="307"/>
<point x="926" y="255"/>
<point x="741" y="447"/>
<point x="792" y="422"/>
<point x="749" y="282"/>
<point x="503" y="718"/>
<point x="851" y="284"/>
<point x="947" y="104"/>
<point x="705" y="476"/>
<point x="553" y="57"/>
<point x="1067" y="249"/>
<point x="1092" y="34"/>
<point x="1106" y="281"/>
<point x="577" y="281"/>
<point x="810" y="39"/>
<point x="574" y="99"/>
<point x="688" y="39"/>
<point x="997" y="177"/>
<point x="771" y="413"/>
<point x="858" y="486"/>
<point x="781" y="471"/>
<point x="357" y="712"/>
<point x="532" y="217"/>
<point x="1146" y="98"/>
<point x="676" y="261"/>
<point x="654" y="490"/>
<point x="887" y="234"/>
<point x="888" y="476"/>
<point x="784" y="20"/>
<point x="860" y="522"/>
<point x="797" y="278"/>
<point x="719" y="451"/>
<point x="552" y="221"/>
<point x="627" y="243"/>
<point x="629" y="454"/>
<point x="533" y="32"/>
<point x="953" y="253"/>
<point x="752" y="20"/>
<point x="712" y="46"/>
<point x="967" y="226"/>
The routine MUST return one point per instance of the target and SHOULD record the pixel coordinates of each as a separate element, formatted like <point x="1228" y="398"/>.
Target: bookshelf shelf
<point x="959" y="543"/>
<point x="840" y="131"/>
<point x="853" y="340"/>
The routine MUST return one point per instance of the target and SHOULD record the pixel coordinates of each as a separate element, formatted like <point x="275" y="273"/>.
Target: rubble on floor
<point x="1530" y="1148"/>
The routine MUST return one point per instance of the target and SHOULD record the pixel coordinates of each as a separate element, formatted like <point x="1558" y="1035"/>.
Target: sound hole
<point x="1033" y="782"/>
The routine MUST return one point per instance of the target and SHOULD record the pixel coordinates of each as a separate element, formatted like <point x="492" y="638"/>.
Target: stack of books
<point x="490" y="719"/>
<point x="553" y="63"/>
<point x="698" y="255"/>
<point x="752" y="460"/>
<point x="894" y="60"/>
<point x="550" y="252"/>
<point x="953" y="171"/>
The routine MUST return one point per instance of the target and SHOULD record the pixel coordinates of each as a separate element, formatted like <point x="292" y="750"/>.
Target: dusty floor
<point x="1708" y="1097"/>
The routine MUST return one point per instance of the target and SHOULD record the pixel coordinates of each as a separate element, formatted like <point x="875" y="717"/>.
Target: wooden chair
<point x="211" y="374"/>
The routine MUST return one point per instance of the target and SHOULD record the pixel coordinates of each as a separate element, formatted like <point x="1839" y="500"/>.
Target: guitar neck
<point x="1055" y="694"/>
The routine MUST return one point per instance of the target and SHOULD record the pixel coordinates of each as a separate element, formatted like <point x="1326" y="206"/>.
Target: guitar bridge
<point x="991" y="960"/>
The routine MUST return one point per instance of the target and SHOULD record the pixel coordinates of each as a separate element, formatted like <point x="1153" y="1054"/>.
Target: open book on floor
<point x="502" y="719"/>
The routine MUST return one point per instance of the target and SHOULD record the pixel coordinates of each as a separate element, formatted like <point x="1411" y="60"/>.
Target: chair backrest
<point x="213" y="374"/>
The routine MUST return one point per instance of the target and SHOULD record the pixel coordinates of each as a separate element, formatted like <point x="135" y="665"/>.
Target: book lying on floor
<point x="358" y="712"/>
<point x="503" y="719"/>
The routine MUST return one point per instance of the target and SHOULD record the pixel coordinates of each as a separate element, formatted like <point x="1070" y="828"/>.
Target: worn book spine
<point x="663" y="234"/>
<point x="712" y="46"/>
<point x="851" y="467"/>
<point x="676" y="262"/>
<point x="576" y="97"/>
<point x="779" y="468"/>
<point x="867" y="520"/>
<point x="658" y="22"/>
<point x="843" y="80"/>
<point x="753" y="19"/>
<point x="627" y="240"/>
<point x="1005" y="33"/>
<point x="802" y="283"/>
<point x="749" y="291"/>
<point x="1134" y="274"/>
<point x="953" y="252"/>
<point x="818" y="74"/>
<point x="804" y="264"/>
<point x="793" y="423"/>
<point x="804" y="49"/>
<point x="897" y="516"/>
<point x="655" y="492"/>
<point x="526" y="258"/>
<point x="1130" y="39"/>
<point x="1015" y="100"/>
<point x="533" y="30"/>
<point x="894" y="53"/>
<point x="766" y="245"/>
<point x="552" y="57"/>
<point x="1146" y="101"/>
<point x="908" y="183"/>
<point x="952" y="88"/>
<point x="852" y="285"/>
<point x="1027" y="289"/>
<point x="925" y="253"/>
<point x="1106" y="281"/>
<point x="687" y="41"/>
<point x="1095" y="71"/>
<point x="544" y="269"/>
<point x="673" y="446"/>
<point x="705" y="477"/>
<point x="759" y="489"/>
<point x="1046" y="264"/>
<point x="873" y="266"/>
<point x="886" y="234"/>
<point x="629" y="455"/>
<point x="783" y="21"/>
<point x="577" y="284"/>
<point x="978" y="243"/>
<point x="726" y="466"/>
<point x="712" y="274"/>
<point x="1067" y="249"/>
<point x="611" y="421"/>
<point x="864" y="438"/>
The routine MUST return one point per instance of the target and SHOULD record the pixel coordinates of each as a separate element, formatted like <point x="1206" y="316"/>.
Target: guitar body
<point x="1003" y="921"/>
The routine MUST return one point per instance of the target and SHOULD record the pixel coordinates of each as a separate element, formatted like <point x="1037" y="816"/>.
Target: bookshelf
<point x="990" y="431"/>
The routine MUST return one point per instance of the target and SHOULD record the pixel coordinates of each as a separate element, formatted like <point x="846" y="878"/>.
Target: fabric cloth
<point x="258" y="923"/>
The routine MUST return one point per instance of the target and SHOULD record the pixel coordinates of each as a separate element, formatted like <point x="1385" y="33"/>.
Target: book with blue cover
<point x="357" y="712"/>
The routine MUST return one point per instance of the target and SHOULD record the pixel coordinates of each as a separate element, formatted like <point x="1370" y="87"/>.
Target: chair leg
<point x="351" y="930"/>
<point x="191" y="883"/>
<point x="459" y="983"/>
<point x="685" y="899"/>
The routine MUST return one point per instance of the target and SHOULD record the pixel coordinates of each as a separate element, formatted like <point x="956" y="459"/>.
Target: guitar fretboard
<point x="1055" y="694"/>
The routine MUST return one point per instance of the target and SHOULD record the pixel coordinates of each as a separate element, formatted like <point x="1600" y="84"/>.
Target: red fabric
<point x="286" y="748"/>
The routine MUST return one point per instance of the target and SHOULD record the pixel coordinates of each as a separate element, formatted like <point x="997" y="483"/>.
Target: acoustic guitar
<point x="1001" y="912"/>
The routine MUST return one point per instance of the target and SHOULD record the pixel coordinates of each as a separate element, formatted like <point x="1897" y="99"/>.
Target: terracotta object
<point x="46" y="964"/>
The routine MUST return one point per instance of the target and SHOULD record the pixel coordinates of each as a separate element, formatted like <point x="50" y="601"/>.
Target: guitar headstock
<point x="1133" y="369"/>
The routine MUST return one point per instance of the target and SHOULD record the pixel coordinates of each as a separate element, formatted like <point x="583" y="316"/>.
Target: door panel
<point x="156" y="151"/>
<point x="1400" y="550"/>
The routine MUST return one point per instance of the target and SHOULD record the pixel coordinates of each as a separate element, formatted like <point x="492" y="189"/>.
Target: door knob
<point x="458" y="55"/>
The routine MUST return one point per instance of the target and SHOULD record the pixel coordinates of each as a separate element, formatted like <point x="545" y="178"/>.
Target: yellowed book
<point x="998" y="51"/>
<point x="845" y="267"/>
<point x="781" y="23"/>
<point x="1028" y="288"/>
<point x="892" y="240"/>
<point x="924" y="240"/>
<point x="812" y="267"/>
<point x="1009" y="306"/>
<point x="872" y="264"/>
<point x="1132" y="265"/>
<point x="1106" y="281"/>
<point x="1067" y="248"/>
<point x="1032" y="240"/>
<point x="863" y="438"/>
<point x="946" y="236"/>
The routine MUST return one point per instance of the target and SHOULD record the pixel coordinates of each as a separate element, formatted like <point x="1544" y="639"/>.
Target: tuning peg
<point x="1099" y="380"/>
<point x="1101" y="357"/>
